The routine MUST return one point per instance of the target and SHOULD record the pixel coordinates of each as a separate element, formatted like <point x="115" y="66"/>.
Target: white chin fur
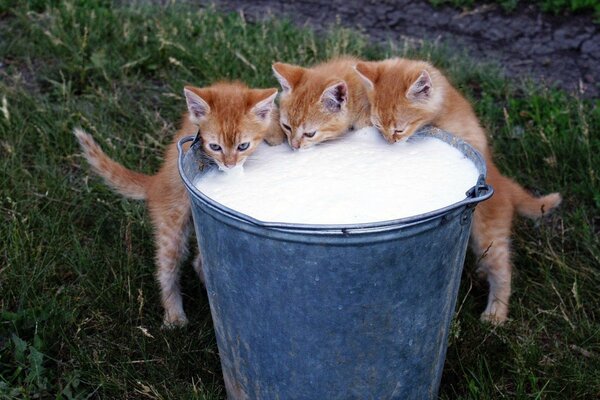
<point x="236" y="170"/>
<point x="307" y="146"/>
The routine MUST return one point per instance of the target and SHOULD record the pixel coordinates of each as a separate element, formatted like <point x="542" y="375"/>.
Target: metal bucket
<point x="332" y="311"/>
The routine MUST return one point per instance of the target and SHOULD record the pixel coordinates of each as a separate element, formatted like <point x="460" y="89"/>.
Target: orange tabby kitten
<point x="320" y="103"/>
<point x="233" y="121"/>
<point x="406" y="95"/>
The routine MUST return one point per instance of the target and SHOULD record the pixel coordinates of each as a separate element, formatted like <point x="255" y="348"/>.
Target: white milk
<point x="359" y="178"/>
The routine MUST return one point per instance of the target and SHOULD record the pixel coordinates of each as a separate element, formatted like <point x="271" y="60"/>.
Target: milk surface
<point x="359" y="178"/>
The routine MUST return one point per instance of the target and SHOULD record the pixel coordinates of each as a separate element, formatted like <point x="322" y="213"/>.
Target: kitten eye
<point x="286" y="127"/>
<point x="243" y="146"/>
<point x="214" y="147"/>
<point x="398" y="131"/>
<point x="310" y="134"/>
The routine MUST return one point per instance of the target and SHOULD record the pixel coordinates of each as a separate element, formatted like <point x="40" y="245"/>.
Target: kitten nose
<point x="390" y="138"/>
<point x="399" y="138"/>
<point x="295" y="144"/>
<point x="229" y="162"/>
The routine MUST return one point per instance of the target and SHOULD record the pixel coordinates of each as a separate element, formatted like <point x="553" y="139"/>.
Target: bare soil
<point x="561" y="51"/>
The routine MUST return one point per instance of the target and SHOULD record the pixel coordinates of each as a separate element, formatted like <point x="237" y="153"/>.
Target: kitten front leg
<point x="498" y="269"/>
<point x="362" y="122"/>
<point x="275" y="135"/>
<point x="491" y="244"/>
<point x="172" y="230"/>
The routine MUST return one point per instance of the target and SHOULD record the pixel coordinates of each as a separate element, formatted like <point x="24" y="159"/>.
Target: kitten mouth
<point x="235" y="170"/>
<point x="306" y="146"/>
<point x="391" y="139"/>
<point x="398" y="139"/>
<point x="226" y="168"/>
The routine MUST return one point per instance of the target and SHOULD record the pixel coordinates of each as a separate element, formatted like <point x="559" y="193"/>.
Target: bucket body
<point x="331" y="311"/>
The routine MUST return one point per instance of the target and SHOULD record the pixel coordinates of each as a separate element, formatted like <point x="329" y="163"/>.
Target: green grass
<point x="549" y="6"/>
<point x="80" y="314"/>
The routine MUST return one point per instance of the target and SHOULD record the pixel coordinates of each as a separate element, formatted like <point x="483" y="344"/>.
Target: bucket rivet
<point x="464" y="217"/>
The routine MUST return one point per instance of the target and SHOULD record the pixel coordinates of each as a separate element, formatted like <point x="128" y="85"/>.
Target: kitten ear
<point x="335" y="96"/>
<point x="264" y="102"/>
<point x="421" y="89"/>
<point x="198" y="108"/>
<point x="288" y="75"/>
<point x="368" y="73"/>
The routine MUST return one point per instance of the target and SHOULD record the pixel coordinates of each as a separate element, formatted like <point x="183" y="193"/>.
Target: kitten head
<point x="233" y="119"/>
<point x="404" y="95"/>
<point x="313" y="107"/>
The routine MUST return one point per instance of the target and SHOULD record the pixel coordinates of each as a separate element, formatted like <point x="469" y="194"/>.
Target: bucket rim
<point x="479" y="192"/>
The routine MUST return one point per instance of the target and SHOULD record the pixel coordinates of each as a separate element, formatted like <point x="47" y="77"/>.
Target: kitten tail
<point x="534" y="207"/>
<point x="128" y="183"/>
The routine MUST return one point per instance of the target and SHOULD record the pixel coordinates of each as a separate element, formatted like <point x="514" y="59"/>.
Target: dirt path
<point x="560" y="51"/>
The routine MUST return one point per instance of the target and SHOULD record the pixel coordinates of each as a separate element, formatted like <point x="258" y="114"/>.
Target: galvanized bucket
<point x="332" y="311"/>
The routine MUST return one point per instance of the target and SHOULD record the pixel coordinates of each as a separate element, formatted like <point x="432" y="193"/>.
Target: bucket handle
<point x="478" y="193"/>
<point x="183" y="141"/>
<point x="205" y="160"/>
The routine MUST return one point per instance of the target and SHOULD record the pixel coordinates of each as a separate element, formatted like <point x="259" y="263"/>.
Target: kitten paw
<point x="174" y="321"/>
<point x="496" y="312"/>
<point x="494" y="319"/>
<point x="274" y="140"/>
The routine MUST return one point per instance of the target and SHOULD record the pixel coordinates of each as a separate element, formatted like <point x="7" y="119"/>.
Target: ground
<point x="80" y="315"/>
<point x="526" y="43"/>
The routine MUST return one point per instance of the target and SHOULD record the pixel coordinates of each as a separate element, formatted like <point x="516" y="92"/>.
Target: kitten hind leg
<point x="172" y="232"/>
